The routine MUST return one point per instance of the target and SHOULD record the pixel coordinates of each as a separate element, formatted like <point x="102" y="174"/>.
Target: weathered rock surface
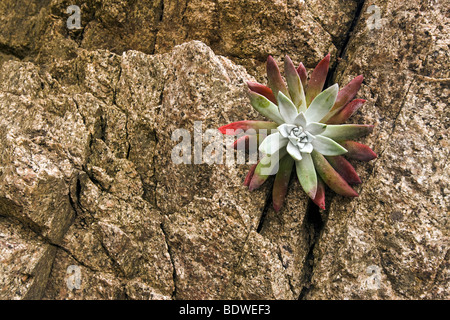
<point x="245" y="31"/>
<point x="392" y="241"/>
<point x="137" y="225"/>
<point x="87" y="179"/>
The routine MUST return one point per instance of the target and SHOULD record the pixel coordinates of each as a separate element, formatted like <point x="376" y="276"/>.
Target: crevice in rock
<point x="171" y="254"/>
<point x="120" y="272"/>
<point x="266" y="208"/>
<point x="7" y="205"/>
<point x="313" y="218"/>
<point x="288" y="277"/>
<point x="346" y="41"/>
<point x="81" y="263"/>
<point x="158" y="21"/>
<point x="18" y="53"/>
<point x="313" y="214"/>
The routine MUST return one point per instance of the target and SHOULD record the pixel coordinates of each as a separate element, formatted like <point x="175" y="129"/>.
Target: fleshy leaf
<point x="307" y="175"/>
<point x="272" y="143"/>
<point x="248" y="124"/>
<point x="316" y="127"/>
<point x="265" y="168"/>
<point x="262" y="90"/>
<point x="288" y="110"/>
<point x="345" y="113"/>
<point x="281" y="182"/>
<point x="319" y="199"/>
<point x="347" y="93"/>
<point x="358" y="150"/>
<point x="322" y="104"/>
<point x="347" y="131"/>
<point x="285" y="129"/>
<point x="275" y="81"/>
<point x="327" y="146"/>
<point x="300" y="120"/>
<point x="331" y="177"/>
<point x="294" y="151"/>
<point x="265" y="107"/>
<point x="244" y="142"/>
<point x="345" y="169"/>
<point x="301" y="70"/>
<point x="250" y="173"/>
<point x="317" y="80"/>
<point x="295" y="85"/>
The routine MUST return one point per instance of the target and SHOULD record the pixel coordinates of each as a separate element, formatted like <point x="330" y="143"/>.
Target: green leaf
<point x="317" y="80"/>
<point x="327" y="146"/>
<point x="265" y="107"/>
<point x="295" y="86"/>
<point x="322" y="104"/>
<point x="275" y="81"/>
<point x="281" y="183"/>
<point x="287" y="109"/>
<point x="307" y="175"/>
<point x="331" y="177"/>
<point x="347" y="131"/>
<point x="272" y="143"/>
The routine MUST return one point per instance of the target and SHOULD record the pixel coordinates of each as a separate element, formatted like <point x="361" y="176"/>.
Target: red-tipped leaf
<point x="347" y="93"/>
<point x="262" y="90"/>
<point x="345" y="113"/>
<point x="319" y="199"/>
<point x="347" y="131"/>
<point x="303" y="74"/>
<point x="295" y="86"/>
<point x="345" y="169"/>
<point x="358" y="150"/>
<point x="331" y="177"/>
<point x="247" y="141"/>
<point x="250" y="173"/>
<point x="280" y="185"/>
<point x="246" y="125"/>
<point x="317" y="80"/>
<point x="275" y="81"/>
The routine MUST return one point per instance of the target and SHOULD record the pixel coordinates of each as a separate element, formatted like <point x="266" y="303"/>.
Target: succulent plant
<point x="309" y="133"/>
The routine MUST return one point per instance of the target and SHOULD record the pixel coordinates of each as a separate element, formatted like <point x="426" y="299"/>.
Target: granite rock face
<point x="115" y="205"/>
<point x="92" y="205"/>
<point x="245" y="31"/>
<point x="392" y="241"/>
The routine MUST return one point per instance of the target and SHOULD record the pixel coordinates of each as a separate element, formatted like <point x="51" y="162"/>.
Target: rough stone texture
<point x="136" y="224"/>
<point x="244" y="30"/>
<point x="86" y="176"/>
<point x="392" y="241"/>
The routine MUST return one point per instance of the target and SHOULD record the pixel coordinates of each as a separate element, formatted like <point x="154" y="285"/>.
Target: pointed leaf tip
<point x="303" y="74"/>
<point x="262" y="90"/>
<point x="340" y="116"/>
<point x="345" y="169"/>
<point x="274" y="79"/>
<point x="317" y="80"/>
<point x="347" y="93"/>
<point x="281" y="183"/>
<point x="331" y="177"/>
<point x="295" y="86"/>
<point x="319" y="199"/>
<point x="358" y="150"/>
<point x="250" y="173"/>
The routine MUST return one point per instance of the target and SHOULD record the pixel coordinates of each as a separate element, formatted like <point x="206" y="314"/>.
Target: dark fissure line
<point x="266" y="208"/>
<point x="314" y="219"/>
<point x="346" y="41"/>
<point x="313" y="214"/>
<point x="171" y="255"/>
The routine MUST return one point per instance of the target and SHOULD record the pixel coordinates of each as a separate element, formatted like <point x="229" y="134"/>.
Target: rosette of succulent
<point x="306" y="132"/>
